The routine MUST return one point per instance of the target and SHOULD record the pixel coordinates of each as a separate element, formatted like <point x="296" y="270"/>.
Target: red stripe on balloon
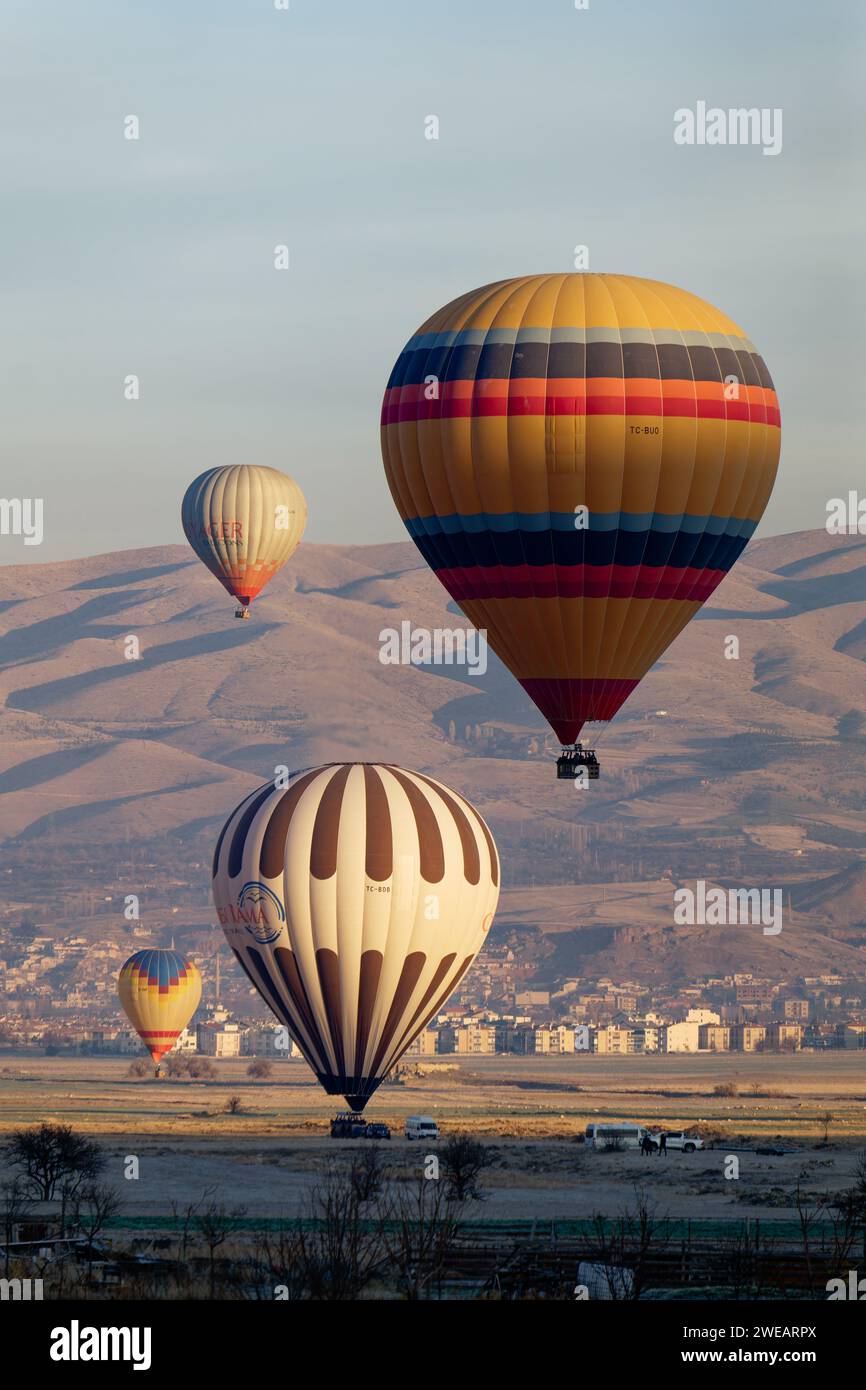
<point x="581" y="581"/>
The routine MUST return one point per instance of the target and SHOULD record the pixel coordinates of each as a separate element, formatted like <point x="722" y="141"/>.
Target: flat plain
<point x="532" y="1111"/>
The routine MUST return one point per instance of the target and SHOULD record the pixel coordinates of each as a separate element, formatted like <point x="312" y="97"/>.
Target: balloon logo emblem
<point x="255" y="903"/>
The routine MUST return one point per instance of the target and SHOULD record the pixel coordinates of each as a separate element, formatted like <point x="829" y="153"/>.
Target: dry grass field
<point x="268" y="1157"/>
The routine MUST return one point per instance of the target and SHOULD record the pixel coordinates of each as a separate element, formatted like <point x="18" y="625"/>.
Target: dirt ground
<point x="268" y="1157"/>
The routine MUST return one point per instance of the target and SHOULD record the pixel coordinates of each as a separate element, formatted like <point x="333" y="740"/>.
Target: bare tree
<point x="279" y="1264"/>
<point x="340" y="1249"/>
<point x="463" y="1159"/>
<point x="368" y="1174"/>
<point x="185" y="1218"/>
<point x="260" y="1069"/>
<point x="628" y="1242"/>
<point x="16" y="1206"/>
<point x="94" y="1207"/>
<point x="52" y="1157"/>
<point x="807" y="1218"/>
<point x="420" y="1221"/>
<point x="214" y="1224"/>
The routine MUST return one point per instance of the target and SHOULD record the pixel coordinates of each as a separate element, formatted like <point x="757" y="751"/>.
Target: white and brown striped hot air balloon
<point x="243" y="521"/>
<point x="355" y="900"/>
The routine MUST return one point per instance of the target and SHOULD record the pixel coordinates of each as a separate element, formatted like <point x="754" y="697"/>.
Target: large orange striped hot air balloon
<point x="243" y="521"/>
<point x="355" y="899"/>
<point x="160" y="992"/>
<point x="580" y="458"/>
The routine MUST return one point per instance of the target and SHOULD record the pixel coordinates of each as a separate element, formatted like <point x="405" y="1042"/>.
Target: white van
<point x="623" y="1136"/>
<point x="421" y="1127"/>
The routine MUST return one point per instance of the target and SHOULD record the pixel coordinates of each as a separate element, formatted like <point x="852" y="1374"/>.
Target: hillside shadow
<point x="38" y="639"/>
<point x="36" y="698"/>
<point x="45" y="768"/>
<point x="355" y="589"/>
<point x="113" y="581"/>
<point x="797" y="566"/>
<point x="68" y="817"/>
<point x="799" y="596"/>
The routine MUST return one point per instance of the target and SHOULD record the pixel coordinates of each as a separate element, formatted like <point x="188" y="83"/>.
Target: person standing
<point x="663" y="1143"/>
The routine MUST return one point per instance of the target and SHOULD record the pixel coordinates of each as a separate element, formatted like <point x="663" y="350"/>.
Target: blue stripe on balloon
<point x="640" y="522"/>
<point x="453" y="542"/>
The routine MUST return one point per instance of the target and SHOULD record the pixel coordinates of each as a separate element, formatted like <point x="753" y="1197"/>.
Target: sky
<point x="306" y="127"/>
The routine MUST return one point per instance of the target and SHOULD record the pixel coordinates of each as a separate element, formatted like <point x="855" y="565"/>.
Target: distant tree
<point x="139" y="1068"/>
<point x="728" y="1088"/>
<point x="260" y="1069"/>
<point x="176" y="1065"/>
<point x="234" y="1105"/>
<point x="53" y="1158"/>
<point x="825" y="1121"/>
<point x="201" y="1069"/>
<point x="463" y="1159"/>
<point x="179" y="1065"/>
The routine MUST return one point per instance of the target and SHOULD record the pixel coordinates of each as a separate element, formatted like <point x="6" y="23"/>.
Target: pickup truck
<point x="679" y="1139"/>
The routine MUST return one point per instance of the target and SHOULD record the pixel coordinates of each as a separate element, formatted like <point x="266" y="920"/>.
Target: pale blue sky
<point x="307" y="127"/>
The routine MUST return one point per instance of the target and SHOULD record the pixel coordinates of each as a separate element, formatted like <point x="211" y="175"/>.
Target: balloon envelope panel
<point x="355" y="900"/>
<point x="580" y="458"/>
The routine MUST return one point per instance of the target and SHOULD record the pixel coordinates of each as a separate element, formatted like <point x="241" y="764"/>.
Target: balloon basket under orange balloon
<point x="242" y="612"/>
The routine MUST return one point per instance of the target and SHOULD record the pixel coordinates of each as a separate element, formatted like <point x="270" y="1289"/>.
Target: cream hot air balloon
<point x="243" y="521"/>
<point x="160" y="991"/>
<point x="355" y="899"/>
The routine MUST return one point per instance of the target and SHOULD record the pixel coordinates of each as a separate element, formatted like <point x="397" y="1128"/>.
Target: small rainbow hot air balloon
<point x="243" y="521"/>
<point x="160" y="992"/>
<point x="581" y="459"/>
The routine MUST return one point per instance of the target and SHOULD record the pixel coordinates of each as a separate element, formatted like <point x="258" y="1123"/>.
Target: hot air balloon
<point x="355" y="900"/>
<point x="243" y="521"/>
<point x="580" y="458"/>
<point x="160" y="992"/>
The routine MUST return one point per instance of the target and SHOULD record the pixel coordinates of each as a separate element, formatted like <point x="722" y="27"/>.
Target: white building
<point x="680" y="1037"/>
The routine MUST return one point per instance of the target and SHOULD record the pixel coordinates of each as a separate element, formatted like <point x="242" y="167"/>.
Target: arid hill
<point x="739" y="771"/>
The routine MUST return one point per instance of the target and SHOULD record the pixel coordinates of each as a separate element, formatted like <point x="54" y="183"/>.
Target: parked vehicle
<point x="377" y="1131"/>
<point x="348" y="1125"/>
<point x="678" y="1139"/>
<point x="421" y="1127"/>
<point x="608" y="1135"/>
